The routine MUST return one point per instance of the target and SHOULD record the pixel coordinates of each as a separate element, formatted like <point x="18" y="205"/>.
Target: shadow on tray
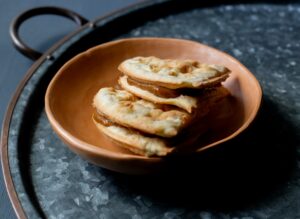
<point x="244" y="171"/>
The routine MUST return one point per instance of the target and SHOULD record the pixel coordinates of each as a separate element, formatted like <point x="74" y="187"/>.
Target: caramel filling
<point x="166" y="92"/>
<point x="102" y="119"/>
<point x="171" y="142"/>
<point x="157" y="90"/>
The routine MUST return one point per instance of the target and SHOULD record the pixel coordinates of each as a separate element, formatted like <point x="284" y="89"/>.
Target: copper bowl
<point x="68" y="99"/>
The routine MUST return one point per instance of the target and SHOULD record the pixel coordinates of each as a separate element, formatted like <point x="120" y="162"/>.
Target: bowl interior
<point x="70" y="93"/>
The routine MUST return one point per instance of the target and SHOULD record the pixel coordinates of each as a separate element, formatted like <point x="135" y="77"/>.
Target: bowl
<point x="68" y="100"/>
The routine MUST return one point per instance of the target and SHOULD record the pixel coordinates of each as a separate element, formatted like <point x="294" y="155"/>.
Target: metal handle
<point x="16" y="23"/>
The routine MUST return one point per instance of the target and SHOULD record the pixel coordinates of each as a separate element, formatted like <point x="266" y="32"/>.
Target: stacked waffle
<point x="160" y="103"/>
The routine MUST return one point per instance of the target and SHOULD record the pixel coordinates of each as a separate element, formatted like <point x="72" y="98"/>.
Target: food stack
<point x="160" y="103"/>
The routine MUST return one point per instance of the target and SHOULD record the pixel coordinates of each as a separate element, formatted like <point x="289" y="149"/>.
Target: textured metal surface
<point x="255" y="176"/>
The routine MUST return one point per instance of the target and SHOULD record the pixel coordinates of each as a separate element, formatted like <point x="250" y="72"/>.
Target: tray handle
<point x="16" y="23"/>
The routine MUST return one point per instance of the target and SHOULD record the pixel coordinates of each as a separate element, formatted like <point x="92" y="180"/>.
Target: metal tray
<point x="257" y="175"/>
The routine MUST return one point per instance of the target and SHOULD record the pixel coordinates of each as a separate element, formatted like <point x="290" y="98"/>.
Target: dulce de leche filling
<point x="165" y="92"/>
<point x="157" y="90"/>
<point x="102" y="119"/>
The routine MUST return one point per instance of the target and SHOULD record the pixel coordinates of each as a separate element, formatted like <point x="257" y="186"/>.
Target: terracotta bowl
<point x="69" y="99"/>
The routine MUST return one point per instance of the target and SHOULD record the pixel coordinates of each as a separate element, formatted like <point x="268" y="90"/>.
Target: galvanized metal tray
<point x="256" y="175"/>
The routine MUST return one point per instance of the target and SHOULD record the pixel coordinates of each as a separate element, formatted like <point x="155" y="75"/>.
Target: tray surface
<point x="256" y="175"/>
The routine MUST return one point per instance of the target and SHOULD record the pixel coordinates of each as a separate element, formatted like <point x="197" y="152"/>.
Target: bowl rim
<point x="82" y="145"/>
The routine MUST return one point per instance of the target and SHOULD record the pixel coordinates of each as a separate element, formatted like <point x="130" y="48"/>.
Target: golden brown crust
<point x="127" y="110"/>
<point x="174" y="74"/>
<point x="134" y="141"/>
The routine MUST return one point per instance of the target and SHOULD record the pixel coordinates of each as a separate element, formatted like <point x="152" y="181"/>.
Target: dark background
<point x="40" y="33"/>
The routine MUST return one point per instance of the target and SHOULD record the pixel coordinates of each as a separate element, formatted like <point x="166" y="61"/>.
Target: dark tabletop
<point x="40" y="33"/>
